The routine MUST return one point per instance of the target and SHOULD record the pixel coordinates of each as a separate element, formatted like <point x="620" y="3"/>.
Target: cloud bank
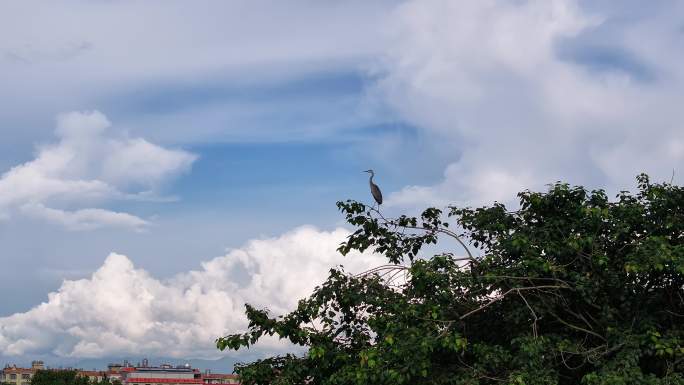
<point x="123" y="310"/>
<point x="171" y="53"/>
<point x="88" y="166"/>
<point x="530" y="92"/>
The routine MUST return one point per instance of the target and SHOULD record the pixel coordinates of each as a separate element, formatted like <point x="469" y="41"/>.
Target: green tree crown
<point x="58" y="377"/>
<point x="570" y="288"/>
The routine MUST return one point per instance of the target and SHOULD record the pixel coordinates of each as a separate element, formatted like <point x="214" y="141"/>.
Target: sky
<point x="165" y="162"/>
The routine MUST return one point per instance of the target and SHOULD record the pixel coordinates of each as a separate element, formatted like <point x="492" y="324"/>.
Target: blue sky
<point x="172" y="151"/>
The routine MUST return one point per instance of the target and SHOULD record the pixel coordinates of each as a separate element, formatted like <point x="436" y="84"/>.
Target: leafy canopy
<point x="571" y="288"/>
<point x="58" y="377"/>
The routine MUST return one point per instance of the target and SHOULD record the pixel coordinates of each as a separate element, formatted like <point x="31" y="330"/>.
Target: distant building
<point x="20" y="376"/>
<point x="92" y="375"/>
<point x="162" y="375"/>
<point x="218" y="378"/>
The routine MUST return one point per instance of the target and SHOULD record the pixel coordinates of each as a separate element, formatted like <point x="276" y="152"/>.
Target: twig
<point x="380" y="268"/>
<point x="502" y="296"/>
<point x="576" y="327"/>
<point x="568" y="366"/>
<point x="534" y="323"/>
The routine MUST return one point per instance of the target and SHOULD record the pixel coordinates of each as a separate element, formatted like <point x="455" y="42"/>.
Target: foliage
<point x="570" y="288"/>
<point x="58" y="377"/>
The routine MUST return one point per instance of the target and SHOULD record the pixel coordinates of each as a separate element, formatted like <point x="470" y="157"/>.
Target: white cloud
<point x="514" y="88"/>
<point x="88" y="165"/>
<point x="122" y="309"/>
<point x="84" y="219"/>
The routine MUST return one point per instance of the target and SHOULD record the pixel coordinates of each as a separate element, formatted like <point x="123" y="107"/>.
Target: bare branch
<point x="534" y="323"/>
<point x="515" y="289"/>
<point x="576" y="327"/>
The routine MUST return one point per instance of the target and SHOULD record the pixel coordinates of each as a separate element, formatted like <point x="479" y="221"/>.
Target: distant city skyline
<point x="142" y="362"/>
<point x="123" y="372"/>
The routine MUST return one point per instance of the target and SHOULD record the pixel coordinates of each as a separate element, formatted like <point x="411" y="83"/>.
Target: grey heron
<point x="375" y="190"/>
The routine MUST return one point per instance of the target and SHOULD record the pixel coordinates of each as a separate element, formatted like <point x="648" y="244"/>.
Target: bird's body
<point x="375" y="190"/>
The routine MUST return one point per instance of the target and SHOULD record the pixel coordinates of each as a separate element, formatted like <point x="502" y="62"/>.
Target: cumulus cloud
<point x="122" y="309"/>
<point x="530" y="92"/>
<point x="86" y="166"/>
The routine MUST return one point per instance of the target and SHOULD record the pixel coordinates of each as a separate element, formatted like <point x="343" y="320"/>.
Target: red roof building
<point x="20" y="376"/>
<point x="92" y="375"/>
<point x="218" y="378"/>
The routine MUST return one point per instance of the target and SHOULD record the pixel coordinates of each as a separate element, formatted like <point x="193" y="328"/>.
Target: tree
<point x="58" y="377"/>
<point x="570" y="288"/>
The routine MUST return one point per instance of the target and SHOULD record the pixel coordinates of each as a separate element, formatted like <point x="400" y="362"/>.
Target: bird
<point x="375" y="190"/>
